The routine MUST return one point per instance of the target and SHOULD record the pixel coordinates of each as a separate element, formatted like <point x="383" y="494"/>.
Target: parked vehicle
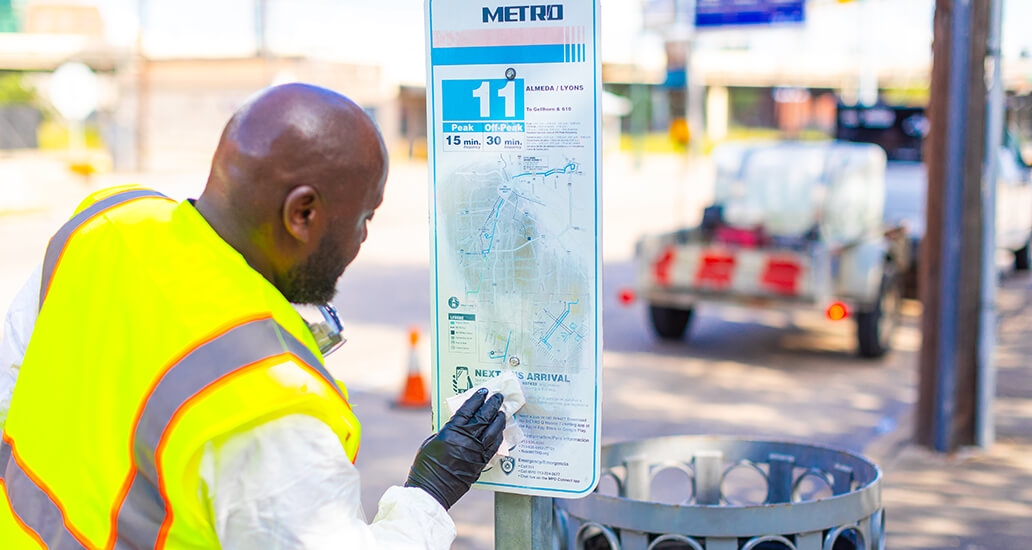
<point x="793" y="225"/>
<point x="900" y="131"/>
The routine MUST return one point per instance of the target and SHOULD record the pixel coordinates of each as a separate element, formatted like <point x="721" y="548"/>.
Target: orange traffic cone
<point x="414" y="394"/>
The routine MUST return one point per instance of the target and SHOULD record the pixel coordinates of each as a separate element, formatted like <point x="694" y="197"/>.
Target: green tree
<point x="14" y="90"/>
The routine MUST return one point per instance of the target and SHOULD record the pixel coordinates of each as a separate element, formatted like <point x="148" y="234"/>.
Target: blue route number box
<point x="482" y="100"/>
<point x="726" y="13"/>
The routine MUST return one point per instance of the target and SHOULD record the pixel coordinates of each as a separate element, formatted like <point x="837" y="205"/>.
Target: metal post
<point x="639" y="120"/>
<point x="694" y="89"/>
<point x="142" y="135"/>
<point x="261" y="15"/>
<point x="953" y="211"/>
<point x="985" y="432"/>
<point x="523" y="522"/>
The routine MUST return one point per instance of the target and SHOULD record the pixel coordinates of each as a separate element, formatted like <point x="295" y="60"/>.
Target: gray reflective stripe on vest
<point x="60" y="239"/>
<point x="35" y="509"/>
<point x="143" y="511"/>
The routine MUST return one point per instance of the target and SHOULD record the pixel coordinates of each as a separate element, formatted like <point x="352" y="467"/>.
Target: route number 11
<point x="482" y="99"/>
<point x="508" y="93"/>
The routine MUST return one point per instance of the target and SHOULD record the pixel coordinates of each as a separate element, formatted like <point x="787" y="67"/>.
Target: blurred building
<point x="35" y="38"/>
<point x="164" y="113"/>
<point x="788" y="77"/>
<point x="165" y="94"/>
<point x="186" y="102"/>
<point x="39" y="36"/>
<point x="63" y="18"/>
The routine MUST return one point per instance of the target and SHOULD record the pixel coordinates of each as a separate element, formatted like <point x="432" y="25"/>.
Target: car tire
<point x="669" y="323"/>
<point x="874" y="327"/>
<point x="1022" y="258"/>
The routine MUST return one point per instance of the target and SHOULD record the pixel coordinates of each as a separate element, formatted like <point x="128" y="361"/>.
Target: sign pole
<point x="523" y="522"/>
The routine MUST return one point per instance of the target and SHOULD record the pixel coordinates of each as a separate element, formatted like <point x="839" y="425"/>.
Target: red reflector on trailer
<point x="837" y="311"/>
<point x="782" y="276"/>
<point x="715" y="270"/>
<point x="661" y="268"/>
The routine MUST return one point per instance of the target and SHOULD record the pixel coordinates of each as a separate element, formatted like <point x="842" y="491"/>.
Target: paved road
<point x="746" y="373"/>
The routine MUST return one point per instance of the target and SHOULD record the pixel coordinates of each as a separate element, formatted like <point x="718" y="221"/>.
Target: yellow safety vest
<point x="154" y="337"/>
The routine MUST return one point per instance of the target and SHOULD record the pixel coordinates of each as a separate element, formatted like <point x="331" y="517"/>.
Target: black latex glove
<point x="452" y="459"/>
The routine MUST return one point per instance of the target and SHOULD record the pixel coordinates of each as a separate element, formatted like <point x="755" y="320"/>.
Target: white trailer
<point x="793" y="225"/>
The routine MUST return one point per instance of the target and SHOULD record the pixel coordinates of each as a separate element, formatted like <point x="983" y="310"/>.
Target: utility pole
<point x="951" y="251"/>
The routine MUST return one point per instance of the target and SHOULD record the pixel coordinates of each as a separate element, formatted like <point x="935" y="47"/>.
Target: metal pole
<point x="523" y="522"/>
<point x="639" y="120"/>
<point x="261" y="14"/>
<point x="867" y="83"/>
<point x="985" y="432"/>
<point x="142" y="89"/>
<point x="953" y="211"/>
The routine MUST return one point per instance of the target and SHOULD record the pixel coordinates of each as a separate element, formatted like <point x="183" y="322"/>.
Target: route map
<point x="513" y="253"/>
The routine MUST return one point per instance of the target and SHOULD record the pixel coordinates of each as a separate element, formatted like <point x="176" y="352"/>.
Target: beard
<point x="314" y="282"/>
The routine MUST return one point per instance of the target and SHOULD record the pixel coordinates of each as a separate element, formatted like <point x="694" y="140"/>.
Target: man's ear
<point x="303" y="213"/>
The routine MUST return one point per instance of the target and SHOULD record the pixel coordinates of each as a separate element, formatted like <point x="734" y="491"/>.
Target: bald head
<point x="296" y="175"/>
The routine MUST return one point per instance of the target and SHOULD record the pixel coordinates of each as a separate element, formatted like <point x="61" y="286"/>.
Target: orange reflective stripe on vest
<point x="57" y="243"/>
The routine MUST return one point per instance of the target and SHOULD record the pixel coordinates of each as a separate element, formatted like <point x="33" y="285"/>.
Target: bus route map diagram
<point x="513" y="230"/>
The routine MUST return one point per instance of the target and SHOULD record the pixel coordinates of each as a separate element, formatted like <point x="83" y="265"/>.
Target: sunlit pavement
<point x="741" y="372"/>
<point x="975" y="500"/>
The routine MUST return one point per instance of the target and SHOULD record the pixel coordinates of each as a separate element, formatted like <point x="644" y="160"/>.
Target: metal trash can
<point x="816" y="498"/>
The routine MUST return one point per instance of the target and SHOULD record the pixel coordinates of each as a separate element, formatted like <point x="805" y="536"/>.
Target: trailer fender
<point x="860" y="272"/>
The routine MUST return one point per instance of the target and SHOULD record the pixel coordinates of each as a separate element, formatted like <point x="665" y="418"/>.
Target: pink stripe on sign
<point x="498" y="37"/>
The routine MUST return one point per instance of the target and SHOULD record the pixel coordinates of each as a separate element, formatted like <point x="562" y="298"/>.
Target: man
<point x="169" y="396"/>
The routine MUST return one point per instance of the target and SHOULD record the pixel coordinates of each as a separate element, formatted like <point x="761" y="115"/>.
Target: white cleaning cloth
<point x="513" y="400"/>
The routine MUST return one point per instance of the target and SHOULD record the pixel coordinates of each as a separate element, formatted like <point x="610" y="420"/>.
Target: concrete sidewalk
<point x="975" y="499"/>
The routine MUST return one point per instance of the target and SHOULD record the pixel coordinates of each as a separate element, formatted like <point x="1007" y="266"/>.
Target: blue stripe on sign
<point x="489" y="55"/>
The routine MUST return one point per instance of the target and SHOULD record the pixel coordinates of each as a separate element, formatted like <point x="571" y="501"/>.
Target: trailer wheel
<point x="874" y="327"/>
<point x="669" y="323"/>
<point x="1022" y="258"/>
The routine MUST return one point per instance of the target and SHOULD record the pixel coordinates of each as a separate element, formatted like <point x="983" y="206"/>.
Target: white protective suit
<point x="285" y="484"/>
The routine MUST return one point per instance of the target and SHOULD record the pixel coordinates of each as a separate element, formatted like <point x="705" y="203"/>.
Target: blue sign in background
<point x="719" y="13"/>
<point x="462" y="100"/>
